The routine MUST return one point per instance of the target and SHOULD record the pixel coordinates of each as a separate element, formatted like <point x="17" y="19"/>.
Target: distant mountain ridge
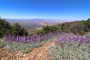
<point x="42" y="20"/>
<point x="37" y="23"/>
<point x="54" y="21"/>
<point x="33" y="23"/>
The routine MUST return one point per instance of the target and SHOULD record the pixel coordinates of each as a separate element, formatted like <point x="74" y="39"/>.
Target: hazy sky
<point x="45" y="9"/>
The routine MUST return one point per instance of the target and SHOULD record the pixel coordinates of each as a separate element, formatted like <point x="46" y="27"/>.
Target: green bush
<point x="48" y="29"/>
<point x="4" y="27"/>
<point x="15" y="29"/>
<point x="1" y="43"/>
<point x="18" y="30"/>
<point x="88" y="23"/>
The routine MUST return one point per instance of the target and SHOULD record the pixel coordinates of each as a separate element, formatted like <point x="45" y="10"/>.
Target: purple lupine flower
<point x="17" y="38"/>
<point x="38" y="39"/>
<point x="82" y="40"/>
<point x="22" y="40"/>
<point x="75" y="39"/>
<point x="5" y="40"/>
<point x="9" y="38"/>
<point x="13" y="38"/>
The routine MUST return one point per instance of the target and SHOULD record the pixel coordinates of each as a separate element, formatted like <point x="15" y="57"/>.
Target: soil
<point x="40" y="53"/>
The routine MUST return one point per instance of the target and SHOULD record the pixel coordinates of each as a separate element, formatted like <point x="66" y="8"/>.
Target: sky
<point x="45" y="9"/>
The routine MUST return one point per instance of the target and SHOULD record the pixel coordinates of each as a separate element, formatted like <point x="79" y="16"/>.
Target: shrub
<point x="70" y="47"/>
<point x="1" y="43"/>
<point x="48" y="29"/>
<point x="15" y="29"/>
<point x="23" y="47"/>
<point x="69" y="52"/>
<point x="4" y="27"/>
<point x="18" y="30"/>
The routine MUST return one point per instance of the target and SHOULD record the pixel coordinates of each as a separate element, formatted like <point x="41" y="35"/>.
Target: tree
<point x="78" y="28"/>
<point x="18" y="30"/>
<point x="65" y="27"/>
<point x="88" y="23"/>
<point x="48" y="29"/>
<point x="4" y="27"/>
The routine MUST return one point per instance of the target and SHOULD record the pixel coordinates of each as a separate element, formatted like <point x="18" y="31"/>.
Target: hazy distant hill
<point x="33" y="23"/>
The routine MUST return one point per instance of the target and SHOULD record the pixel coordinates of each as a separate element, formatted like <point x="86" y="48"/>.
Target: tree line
<point x="7" y="28"/>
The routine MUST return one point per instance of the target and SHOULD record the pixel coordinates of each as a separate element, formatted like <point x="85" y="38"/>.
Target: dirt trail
<point x="40" y="53"/>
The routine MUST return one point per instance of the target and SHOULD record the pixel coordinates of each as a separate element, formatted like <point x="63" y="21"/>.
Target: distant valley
<point x="33" y="25"/>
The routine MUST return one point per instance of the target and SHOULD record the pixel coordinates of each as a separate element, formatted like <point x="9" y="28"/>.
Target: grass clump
<point x="71" y="47"/>
<point x="1" y="43"/>
<point x="24" y="47"/>
<point x="71" y="51"/>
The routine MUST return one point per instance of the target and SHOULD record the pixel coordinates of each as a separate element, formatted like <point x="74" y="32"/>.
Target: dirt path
<point x="40" y="53"/>
<point x="7" y="55"/>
